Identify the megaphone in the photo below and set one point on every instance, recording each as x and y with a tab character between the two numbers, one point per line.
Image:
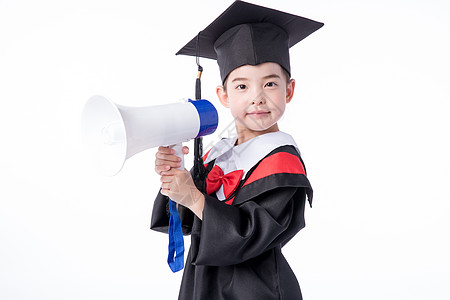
113	133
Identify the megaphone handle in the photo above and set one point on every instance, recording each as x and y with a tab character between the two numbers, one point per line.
179	152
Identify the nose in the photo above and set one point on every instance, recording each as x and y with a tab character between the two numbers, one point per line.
259	99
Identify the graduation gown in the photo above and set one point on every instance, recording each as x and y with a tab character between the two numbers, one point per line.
236	249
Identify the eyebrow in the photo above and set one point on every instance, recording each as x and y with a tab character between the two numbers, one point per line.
265	77
239	79
271	76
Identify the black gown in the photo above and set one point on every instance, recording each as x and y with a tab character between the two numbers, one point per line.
236	249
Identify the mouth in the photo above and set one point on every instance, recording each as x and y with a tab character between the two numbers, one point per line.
259	113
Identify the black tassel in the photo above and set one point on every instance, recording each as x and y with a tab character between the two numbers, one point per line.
199	168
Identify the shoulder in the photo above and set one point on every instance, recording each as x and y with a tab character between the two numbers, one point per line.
281	168
282	160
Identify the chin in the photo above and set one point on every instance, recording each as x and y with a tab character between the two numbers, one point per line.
263	128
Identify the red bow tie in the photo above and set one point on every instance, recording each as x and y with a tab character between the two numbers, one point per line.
216	178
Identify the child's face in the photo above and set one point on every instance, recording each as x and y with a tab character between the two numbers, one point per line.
257	97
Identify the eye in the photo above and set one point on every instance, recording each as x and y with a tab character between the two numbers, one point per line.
270	84
241	87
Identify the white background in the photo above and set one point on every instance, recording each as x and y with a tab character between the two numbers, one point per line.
370	114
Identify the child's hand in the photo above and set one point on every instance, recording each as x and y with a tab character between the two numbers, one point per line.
179	187
177	184
166	159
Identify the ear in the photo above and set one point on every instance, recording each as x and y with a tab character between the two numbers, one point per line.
290	90
223	96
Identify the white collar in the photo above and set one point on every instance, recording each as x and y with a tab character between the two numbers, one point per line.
244	156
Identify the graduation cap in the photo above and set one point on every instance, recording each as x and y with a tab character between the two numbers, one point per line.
248	34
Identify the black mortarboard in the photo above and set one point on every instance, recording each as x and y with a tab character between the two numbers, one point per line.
248	34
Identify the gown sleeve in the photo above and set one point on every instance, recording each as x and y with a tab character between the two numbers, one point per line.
232	234
161	216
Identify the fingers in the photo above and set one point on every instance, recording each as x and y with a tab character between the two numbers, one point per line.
165	192
166	178
166	186
166	159
166	182
161	169
167	150
170	174
167	155
175	183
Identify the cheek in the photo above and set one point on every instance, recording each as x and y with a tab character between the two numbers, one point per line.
237	108
283	109
280	107
235	111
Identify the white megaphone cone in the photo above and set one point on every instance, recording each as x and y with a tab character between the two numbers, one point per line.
113	133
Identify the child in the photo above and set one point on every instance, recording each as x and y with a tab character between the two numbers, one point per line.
256	184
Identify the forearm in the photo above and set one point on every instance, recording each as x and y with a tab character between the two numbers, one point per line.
198	204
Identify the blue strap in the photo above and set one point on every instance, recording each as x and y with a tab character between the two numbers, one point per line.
176	242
